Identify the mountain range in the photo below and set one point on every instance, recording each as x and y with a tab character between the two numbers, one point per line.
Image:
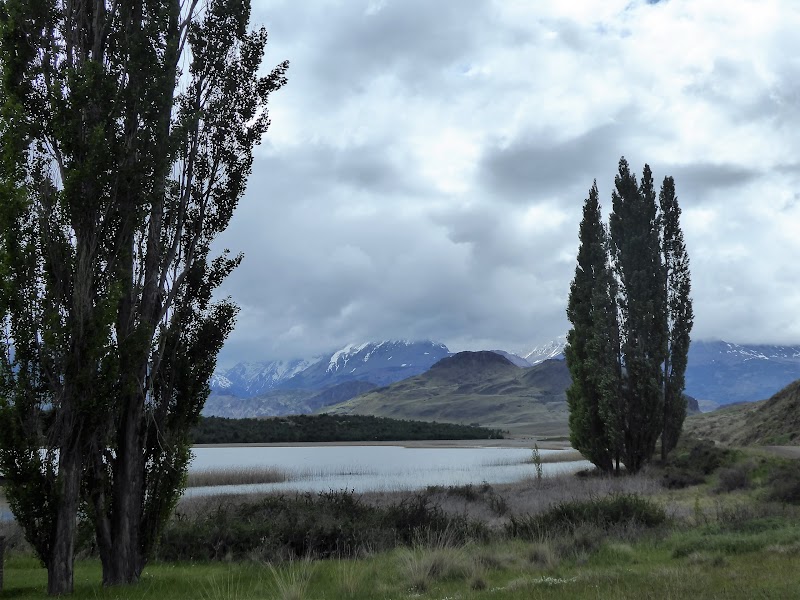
718	373
273	388
722	373
481	388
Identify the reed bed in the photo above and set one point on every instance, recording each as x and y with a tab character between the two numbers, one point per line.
559	456
267	474
236	476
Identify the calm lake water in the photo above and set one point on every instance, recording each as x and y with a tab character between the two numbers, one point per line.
371	468
368	468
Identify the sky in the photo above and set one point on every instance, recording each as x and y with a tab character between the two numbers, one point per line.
427	163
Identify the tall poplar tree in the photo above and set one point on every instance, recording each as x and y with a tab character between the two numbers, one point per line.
592	419
117	171
679	315
636	251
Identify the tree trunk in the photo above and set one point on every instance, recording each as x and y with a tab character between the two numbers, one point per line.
61	563
124	562
664	433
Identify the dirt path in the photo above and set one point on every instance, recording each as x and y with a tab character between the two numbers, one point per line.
784	451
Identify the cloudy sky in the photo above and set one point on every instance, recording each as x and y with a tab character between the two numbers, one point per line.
427	163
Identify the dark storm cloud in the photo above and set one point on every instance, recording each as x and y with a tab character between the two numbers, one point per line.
533	165
699	180
414	41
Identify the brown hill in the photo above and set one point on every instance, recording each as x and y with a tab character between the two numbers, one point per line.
773	422
475	388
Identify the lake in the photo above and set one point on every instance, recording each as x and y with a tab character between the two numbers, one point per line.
319	468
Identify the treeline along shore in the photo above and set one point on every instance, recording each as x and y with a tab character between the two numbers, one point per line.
331	428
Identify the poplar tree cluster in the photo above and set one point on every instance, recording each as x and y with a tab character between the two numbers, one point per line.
127	132
631	315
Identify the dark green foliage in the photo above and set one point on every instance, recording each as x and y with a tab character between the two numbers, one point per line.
331	428
693	461
679	315
607	514
631	316
330	524
484	493
636	253
733	478
113	185
594	418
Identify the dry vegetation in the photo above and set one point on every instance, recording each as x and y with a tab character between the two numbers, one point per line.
770	422
242	476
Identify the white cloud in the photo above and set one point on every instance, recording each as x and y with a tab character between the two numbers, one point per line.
427	163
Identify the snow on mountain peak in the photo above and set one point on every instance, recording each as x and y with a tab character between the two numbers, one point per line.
552	349
220	382
345	354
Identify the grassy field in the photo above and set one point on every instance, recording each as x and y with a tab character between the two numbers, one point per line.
713	523
650	568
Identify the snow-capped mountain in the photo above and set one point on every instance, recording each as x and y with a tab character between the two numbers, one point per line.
380	363
552	349
723	372
718	372
220	382
248	379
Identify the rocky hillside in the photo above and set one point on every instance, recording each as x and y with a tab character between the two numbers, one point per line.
279	402
475	387
770	422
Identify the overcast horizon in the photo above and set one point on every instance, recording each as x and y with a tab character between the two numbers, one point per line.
427	163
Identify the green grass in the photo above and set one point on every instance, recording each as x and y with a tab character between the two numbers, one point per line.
720	565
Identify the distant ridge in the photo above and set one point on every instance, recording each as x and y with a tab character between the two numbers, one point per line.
718	373
772	422
380	363
475	387
726	373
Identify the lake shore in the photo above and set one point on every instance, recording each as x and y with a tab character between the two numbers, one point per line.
511	442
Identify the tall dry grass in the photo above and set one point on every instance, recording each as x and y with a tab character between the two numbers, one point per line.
292	580
560	456
494	505
236	476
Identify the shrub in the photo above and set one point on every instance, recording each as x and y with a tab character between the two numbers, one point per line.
542	554
693	461
330	524
733	478
784	484
422	566
677	478
603	513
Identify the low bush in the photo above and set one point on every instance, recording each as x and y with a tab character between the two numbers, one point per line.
474	494
544	555
693	461
331	524
784	484
604	514
733	478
